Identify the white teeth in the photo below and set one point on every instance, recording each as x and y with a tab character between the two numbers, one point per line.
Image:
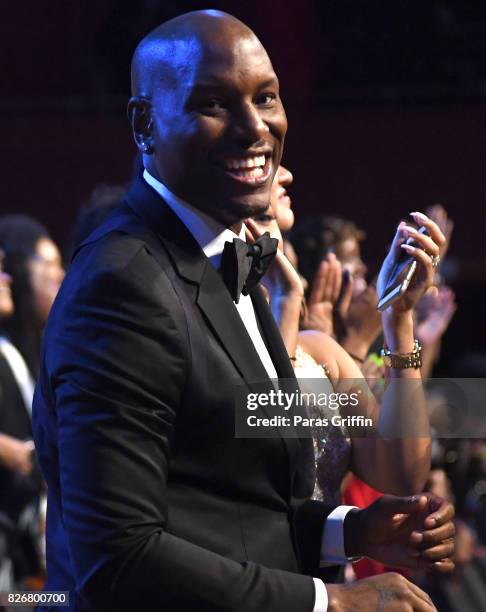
248	162
253	173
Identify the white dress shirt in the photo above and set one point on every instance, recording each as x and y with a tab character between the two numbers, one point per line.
211	237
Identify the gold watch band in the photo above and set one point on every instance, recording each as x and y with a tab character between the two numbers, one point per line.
402	361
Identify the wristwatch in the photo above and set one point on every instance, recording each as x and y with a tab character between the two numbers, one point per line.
402	361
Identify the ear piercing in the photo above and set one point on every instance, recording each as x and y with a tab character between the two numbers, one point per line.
146	147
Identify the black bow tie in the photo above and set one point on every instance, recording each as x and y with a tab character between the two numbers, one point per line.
244	264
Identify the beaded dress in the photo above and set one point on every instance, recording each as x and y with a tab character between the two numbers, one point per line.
332	445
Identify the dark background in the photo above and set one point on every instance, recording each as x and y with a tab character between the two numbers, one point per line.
386	104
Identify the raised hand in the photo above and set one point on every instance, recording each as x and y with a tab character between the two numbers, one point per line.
434	313
439	214
328	296
429	247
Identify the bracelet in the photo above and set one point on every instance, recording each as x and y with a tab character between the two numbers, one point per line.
402	361
292	358
356	358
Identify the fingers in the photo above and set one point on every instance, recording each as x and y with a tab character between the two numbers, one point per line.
433	229
336	276
436	553
431	537
432	293
408	593
434	546
439	214
328	280
344	299
423	241
320	283
392	591
447	302
424	601
442	511
422	258
421	605
392	505
445	566
252	230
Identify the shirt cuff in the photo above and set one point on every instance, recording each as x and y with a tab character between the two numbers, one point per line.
321	601
332	548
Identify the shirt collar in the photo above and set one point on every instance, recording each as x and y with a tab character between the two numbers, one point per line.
209	234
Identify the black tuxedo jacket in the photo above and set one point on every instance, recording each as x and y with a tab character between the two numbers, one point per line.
153	502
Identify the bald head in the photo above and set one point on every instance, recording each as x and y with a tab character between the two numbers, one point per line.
206	113
167	53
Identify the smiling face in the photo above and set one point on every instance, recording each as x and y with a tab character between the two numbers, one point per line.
46	275
349	254
215	122
280	199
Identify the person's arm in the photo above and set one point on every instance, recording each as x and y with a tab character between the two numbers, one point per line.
118	363
397	458
399	465
361	325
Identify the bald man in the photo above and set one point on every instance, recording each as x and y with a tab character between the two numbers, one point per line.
154	504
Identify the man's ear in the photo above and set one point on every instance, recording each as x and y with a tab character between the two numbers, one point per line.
139	113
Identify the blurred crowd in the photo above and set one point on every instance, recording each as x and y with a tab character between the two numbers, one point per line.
338	301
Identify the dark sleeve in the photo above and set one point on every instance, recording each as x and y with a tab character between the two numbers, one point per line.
117	358
308	520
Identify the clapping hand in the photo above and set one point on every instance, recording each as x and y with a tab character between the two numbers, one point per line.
434	313
335	309
439	214
414	532
330	296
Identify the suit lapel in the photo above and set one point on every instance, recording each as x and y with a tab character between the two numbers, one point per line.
216	304
213	298
273	338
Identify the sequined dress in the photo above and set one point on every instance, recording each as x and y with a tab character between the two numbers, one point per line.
332	445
